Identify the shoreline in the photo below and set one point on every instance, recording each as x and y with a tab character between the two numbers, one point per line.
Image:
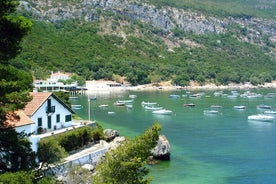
150	87
166	86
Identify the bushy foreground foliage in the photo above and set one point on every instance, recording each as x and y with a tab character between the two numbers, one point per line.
127	163
53	149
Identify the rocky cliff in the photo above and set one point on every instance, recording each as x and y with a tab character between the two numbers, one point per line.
163	18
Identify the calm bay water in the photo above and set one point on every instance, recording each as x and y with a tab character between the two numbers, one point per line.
222	148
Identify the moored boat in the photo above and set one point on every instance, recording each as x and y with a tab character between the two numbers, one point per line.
125	101
129	106
210	111
148	103
239	107
263	106
216	106
76	107
152	108
103	105
117	103
270	112
162	111
132	96
174	96
261	117
189	105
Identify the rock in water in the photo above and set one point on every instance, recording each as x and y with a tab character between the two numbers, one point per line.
162	149
110	134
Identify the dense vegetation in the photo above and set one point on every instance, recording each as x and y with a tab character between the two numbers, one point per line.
239	8
73	46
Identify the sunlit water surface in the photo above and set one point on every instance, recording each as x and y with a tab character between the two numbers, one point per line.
221	148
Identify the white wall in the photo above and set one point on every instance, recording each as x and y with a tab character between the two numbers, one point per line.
59	109
27	128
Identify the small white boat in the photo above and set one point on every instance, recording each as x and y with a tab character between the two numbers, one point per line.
174	96
93	98
189	105
103	105
129	106
117	103
125	101
261	117
132	96
148	103
270	112
216	106
263	106
110	112
239	107
73	97
76	107
162	111
152	108
210	111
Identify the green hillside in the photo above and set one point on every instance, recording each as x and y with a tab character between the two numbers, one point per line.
97	50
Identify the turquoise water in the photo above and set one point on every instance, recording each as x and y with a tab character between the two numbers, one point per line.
222	148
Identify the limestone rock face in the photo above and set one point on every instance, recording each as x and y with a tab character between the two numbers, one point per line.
110	134
162	150
165	18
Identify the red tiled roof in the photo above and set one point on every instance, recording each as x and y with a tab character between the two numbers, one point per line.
38	99
17	118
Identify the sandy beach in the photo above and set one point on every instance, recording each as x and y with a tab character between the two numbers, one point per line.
167	86
194	86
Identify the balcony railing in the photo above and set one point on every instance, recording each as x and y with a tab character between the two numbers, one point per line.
50	109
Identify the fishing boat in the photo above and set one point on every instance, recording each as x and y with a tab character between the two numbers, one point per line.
162	111
261	117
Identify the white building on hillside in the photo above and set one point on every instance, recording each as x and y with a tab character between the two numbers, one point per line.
44	113
59	76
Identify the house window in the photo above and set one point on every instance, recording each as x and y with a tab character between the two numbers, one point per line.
58	118
68	118
39	122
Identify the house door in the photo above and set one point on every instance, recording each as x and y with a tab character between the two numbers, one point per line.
49	120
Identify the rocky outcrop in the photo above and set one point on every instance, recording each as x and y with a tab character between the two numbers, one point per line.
110	134
165	18
162	150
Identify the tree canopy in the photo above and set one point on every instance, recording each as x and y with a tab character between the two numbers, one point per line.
127	163
15	84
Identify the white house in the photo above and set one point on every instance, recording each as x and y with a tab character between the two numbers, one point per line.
44	113
59	76
48	112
